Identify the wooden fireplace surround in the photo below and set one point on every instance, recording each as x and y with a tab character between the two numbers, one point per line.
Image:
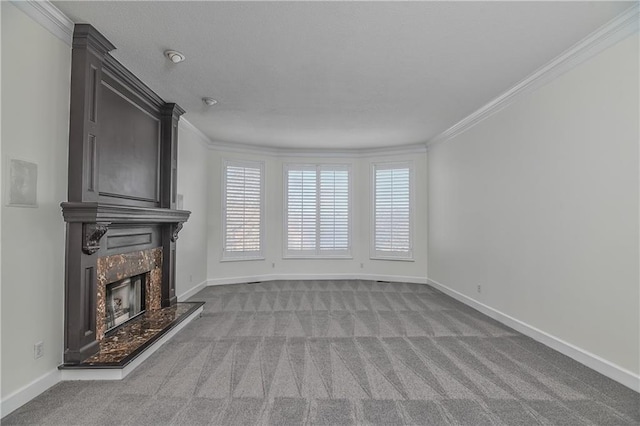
123	144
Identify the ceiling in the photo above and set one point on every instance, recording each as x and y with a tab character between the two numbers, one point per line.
332	75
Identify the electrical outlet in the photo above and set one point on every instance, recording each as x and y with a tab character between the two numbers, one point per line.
190	278
479	288
38	350
273	265
361	265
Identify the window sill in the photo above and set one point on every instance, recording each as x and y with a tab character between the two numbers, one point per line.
318	257
240	259
400	259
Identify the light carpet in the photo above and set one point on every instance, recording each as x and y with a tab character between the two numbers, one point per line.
339	353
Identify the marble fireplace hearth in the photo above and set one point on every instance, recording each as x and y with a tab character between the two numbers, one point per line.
126	347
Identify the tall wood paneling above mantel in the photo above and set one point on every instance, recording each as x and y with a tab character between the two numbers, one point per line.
123	145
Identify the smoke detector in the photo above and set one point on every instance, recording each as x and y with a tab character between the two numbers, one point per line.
174	56
209	101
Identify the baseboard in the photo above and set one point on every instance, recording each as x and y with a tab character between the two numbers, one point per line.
595	362
26	393
393	278
187	294
346	276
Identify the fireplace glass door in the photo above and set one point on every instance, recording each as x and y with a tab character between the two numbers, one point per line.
125	300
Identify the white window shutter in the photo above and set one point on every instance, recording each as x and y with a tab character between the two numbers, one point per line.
392	206
317	205
243	202
301	210
334	210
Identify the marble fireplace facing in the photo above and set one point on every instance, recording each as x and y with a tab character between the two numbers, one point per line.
145	265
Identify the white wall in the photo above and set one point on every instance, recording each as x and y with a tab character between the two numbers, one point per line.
35	118
2	181
539	205
35	122
193	182
238	271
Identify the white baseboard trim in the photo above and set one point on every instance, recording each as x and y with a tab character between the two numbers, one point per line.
346	276
26	393
595	362
121	373
187	294
393	278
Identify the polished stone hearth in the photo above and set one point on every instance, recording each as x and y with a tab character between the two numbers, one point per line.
127	346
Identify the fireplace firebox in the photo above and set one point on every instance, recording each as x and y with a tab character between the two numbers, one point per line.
125	300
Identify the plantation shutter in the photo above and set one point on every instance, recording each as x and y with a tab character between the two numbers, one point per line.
392	211
334	211
317	210
243	207
301	210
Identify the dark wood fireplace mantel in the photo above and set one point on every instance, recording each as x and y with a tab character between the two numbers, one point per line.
123	159
113	213
97	217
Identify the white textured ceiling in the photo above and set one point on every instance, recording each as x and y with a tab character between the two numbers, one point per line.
337	74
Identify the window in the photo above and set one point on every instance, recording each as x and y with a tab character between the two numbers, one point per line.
317	210
392	211
243	210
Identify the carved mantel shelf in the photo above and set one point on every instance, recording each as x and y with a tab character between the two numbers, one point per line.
96	218
100	212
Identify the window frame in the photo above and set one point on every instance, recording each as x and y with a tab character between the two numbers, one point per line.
374	253
244	255
317	253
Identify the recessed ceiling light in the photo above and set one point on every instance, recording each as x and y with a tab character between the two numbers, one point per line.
174	56
209	101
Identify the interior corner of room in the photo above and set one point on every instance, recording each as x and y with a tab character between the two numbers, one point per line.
524	206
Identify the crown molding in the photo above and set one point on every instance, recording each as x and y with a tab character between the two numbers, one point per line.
202	139
625	24
49	16
324	153
419	148
239	148
612	32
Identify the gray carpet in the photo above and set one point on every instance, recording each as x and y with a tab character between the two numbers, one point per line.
342	352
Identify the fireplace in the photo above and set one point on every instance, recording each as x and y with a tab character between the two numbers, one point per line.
124	301
121	211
